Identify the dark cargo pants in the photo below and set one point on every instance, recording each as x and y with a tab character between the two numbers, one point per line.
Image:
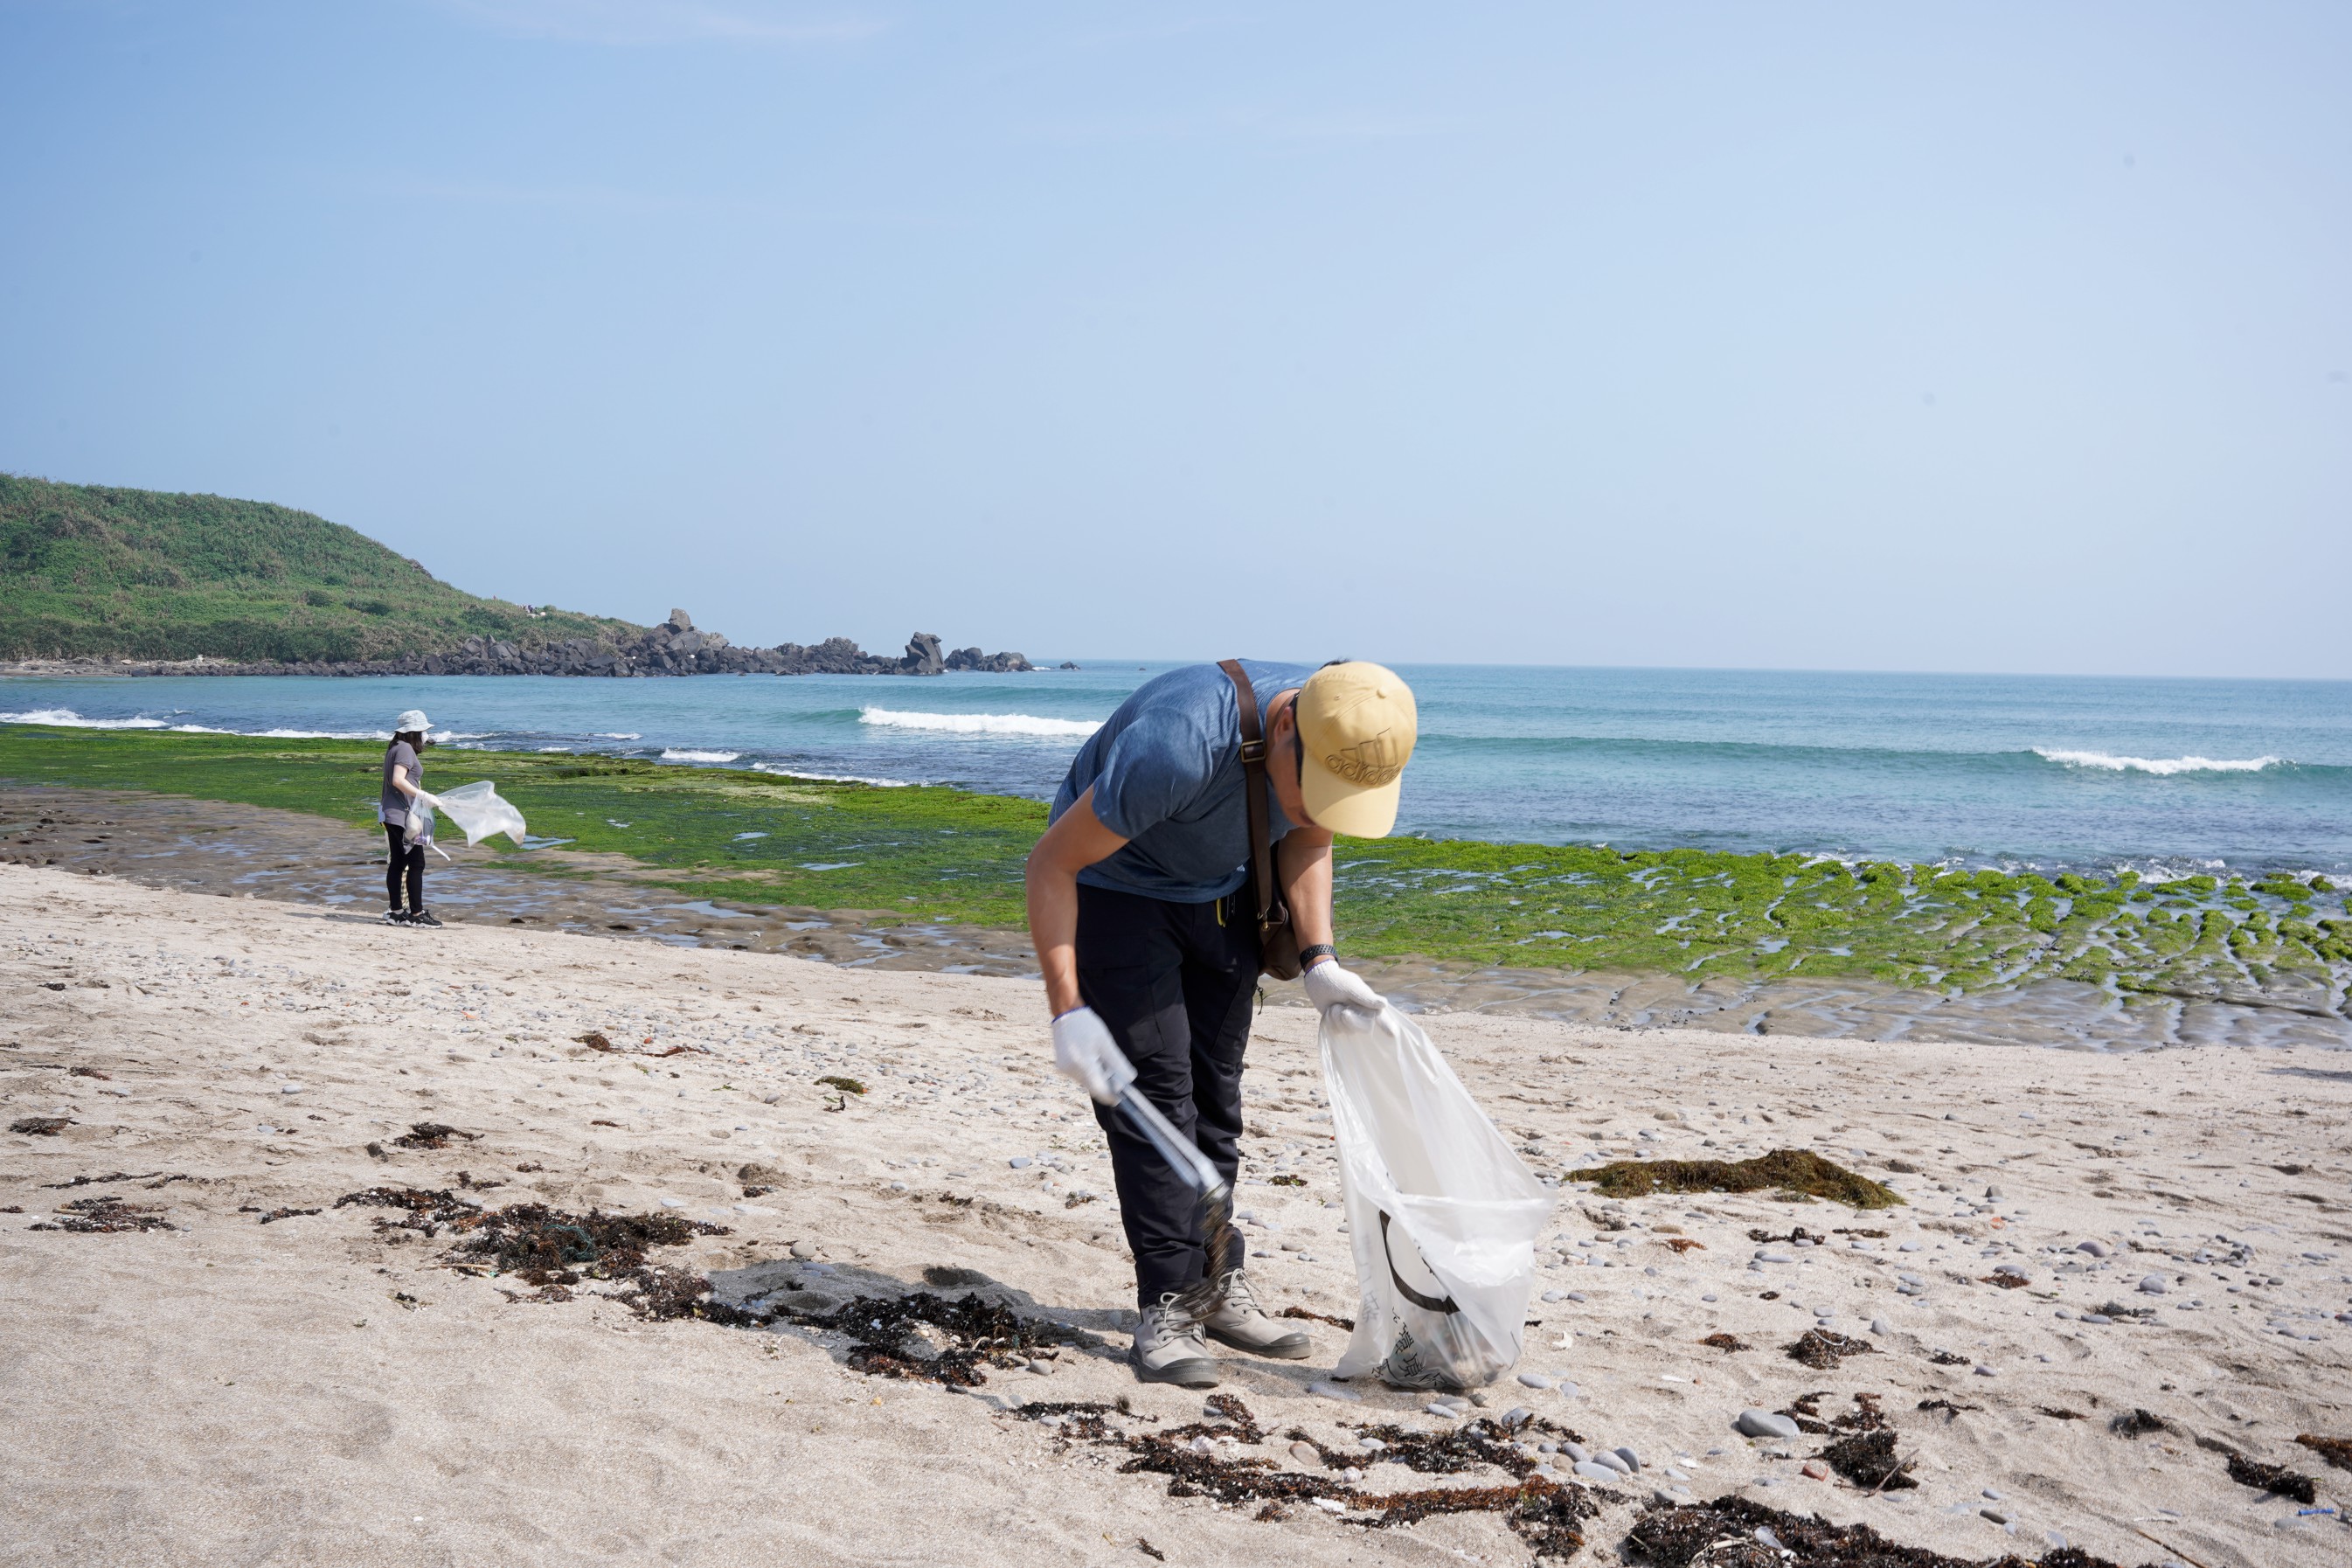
1174	983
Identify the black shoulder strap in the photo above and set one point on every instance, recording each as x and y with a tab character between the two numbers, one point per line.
1253	786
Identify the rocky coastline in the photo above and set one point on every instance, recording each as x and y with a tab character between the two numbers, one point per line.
675	647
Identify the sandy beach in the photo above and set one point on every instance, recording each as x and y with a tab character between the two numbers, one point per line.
256	1386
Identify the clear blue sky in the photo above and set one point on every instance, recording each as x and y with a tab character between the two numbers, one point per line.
1971	337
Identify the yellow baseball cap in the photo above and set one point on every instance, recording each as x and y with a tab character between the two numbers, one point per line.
1358	724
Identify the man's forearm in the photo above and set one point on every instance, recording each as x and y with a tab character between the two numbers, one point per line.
1054	933
1077	840
1304	865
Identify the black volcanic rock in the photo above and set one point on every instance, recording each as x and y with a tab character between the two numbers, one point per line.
677	646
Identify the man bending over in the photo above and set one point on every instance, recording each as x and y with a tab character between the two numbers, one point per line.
1144	912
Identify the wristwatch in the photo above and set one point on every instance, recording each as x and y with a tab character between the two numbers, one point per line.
1308	956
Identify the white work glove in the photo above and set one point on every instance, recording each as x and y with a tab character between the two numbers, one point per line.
1085	1053
1329	987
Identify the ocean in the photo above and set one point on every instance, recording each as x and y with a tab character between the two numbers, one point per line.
2052	772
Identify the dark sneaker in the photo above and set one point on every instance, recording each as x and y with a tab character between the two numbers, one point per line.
1242	1323
1169	1348
395	917
424	917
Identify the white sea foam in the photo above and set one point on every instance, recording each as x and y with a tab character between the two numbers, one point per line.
2160	765
67	719
829	778
979	723
320	734
618	735
675	755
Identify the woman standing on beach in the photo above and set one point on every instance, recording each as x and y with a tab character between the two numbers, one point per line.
406	812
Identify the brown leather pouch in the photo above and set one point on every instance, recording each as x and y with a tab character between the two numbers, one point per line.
1277	944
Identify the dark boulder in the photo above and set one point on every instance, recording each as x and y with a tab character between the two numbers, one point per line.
923	656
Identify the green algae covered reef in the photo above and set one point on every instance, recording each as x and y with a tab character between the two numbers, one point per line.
948	856
1700	914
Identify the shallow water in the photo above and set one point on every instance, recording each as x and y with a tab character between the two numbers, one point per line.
2047	770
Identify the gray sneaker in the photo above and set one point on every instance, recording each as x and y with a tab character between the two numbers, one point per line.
1242	1323
1168	1349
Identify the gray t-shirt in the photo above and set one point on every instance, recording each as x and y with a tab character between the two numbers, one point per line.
391	805
1166	770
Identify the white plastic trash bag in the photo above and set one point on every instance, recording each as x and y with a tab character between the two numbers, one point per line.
478	810
1443	1216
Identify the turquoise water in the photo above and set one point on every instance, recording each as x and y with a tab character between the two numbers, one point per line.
2047	770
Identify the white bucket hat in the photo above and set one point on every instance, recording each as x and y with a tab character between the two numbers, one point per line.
412	719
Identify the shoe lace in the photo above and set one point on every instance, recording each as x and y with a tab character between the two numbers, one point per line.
1238	1296
1169	1316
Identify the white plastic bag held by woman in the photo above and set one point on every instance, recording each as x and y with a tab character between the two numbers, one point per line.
478	810
1443	1216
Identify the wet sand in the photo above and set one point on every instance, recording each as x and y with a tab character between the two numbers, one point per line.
317	1389
242	850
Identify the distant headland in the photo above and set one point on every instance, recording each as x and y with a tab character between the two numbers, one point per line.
124	581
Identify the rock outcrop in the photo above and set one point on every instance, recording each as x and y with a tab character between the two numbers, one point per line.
677	646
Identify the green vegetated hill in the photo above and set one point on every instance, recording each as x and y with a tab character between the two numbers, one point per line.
92	572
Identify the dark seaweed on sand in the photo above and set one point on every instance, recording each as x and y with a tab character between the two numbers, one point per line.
106	1215
978	1333
1790	1170
158	1177
40	1126
2336	1451
1868	1459
1821	1348
430	1135
2276	1478
1304	1315
1805	1410
1722	1534
555	1249
1545	1514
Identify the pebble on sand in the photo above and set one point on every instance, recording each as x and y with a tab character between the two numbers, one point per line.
1764	1424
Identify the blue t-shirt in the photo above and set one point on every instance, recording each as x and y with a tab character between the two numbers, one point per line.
1166	770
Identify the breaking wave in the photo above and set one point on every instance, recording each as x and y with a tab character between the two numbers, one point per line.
783	772
2159	765
675	755
979	723
67	719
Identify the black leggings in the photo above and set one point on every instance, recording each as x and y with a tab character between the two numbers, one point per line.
1174	983
402	855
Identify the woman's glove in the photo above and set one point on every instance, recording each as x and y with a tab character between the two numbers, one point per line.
1085	1053
1329	987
